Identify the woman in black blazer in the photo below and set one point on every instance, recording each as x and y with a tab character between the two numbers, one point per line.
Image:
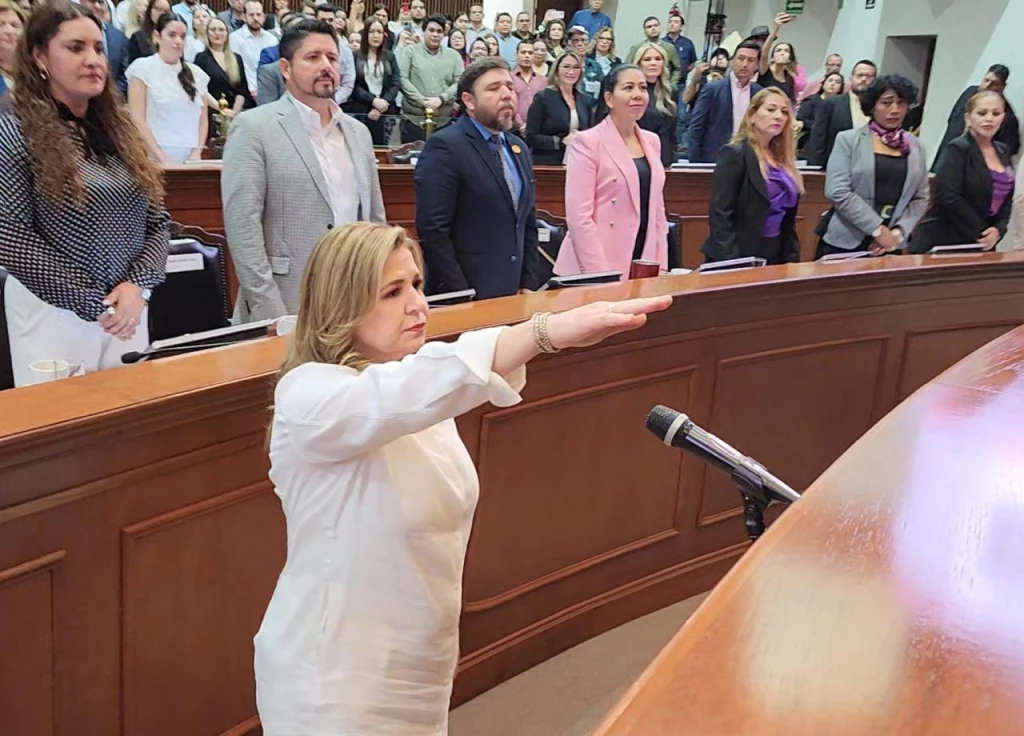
756	187
549	121
226	72
973	183
660	117
141	42
378	82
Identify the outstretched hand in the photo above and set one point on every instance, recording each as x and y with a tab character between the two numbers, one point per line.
595	322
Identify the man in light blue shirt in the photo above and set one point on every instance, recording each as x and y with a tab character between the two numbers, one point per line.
593	19
508	43
184	11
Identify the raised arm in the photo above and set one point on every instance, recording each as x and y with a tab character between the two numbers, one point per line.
333	413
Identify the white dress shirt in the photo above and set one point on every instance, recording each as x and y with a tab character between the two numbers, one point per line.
249	45
740	101
335	161
378	490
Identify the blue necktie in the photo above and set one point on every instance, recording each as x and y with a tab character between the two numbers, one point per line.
509	182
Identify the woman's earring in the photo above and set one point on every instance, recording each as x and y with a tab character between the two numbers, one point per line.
43	73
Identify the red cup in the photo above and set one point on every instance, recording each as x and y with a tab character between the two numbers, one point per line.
644	269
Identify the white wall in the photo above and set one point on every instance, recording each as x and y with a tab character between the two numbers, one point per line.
971	35
493	7
907	56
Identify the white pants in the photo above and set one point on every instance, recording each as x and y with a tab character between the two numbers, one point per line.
41	331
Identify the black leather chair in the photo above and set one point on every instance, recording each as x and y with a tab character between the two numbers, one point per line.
194	300
551	232
6	366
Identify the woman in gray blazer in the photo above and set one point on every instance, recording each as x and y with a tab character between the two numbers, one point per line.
877	178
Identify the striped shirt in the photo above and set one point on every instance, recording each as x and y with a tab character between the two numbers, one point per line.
72	257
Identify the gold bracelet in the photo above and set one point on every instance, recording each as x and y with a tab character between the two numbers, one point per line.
539	322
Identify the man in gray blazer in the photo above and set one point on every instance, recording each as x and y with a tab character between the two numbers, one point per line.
280	196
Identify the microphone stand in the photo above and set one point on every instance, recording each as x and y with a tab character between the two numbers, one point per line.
751	490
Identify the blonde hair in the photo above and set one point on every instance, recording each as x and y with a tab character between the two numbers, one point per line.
611	49
16	9
340	288
553	68
782	147
663	87
230	60
133	24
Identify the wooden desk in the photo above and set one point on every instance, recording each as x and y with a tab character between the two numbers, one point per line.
140	539
887	601
193	197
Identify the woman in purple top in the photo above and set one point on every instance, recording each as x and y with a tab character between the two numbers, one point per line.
974	183
756	186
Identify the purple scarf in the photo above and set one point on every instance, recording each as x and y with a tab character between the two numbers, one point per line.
895	139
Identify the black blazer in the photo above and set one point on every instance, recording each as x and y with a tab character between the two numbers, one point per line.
1008	133
661	124
807	115
740	206
471	235
361	101
548	118
963	198
832	118
139	46
220	85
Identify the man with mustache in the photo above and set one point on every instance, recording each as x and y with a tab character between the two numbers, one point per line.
293	170
475	210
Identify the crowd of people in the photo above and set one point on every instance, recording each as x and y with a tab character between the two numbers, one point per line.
306	95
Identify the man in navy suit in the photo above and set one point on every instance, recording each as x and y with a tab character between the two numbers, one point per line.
115	43
721	106
475	210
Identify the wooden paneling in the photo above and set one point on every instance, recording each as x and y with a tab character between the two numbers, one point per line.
27	645
189	670
193	197
888	599
926	350
151	480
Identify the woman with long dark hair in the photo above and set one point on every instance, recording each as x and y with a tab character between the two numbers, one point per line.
167	97
83	231
756	186
457	43
974	183
877	178
378	82
554	38
832	85
141	42
614	185
778	68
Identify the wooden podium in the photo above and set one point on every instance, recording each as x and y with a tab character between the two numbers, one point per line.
888	600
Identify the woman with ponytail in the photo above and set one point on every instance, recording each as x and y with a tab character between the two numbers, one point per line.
83	231
167	97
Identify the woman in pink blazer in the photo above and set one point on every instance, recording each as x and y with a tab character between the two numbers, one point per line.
614	185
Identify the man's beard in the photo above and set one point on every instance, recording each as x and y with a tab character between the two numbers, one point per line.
325	93
255	27
494	121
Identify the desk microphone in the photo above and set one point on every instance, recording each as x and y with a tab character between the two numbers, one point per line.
676	430
135	356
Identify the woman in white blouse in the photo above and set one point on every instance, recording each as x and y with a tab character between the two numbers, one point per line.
378	490
166	96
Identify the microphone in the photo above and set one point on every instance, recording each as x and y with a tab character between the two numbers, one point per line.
676	430
134	356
